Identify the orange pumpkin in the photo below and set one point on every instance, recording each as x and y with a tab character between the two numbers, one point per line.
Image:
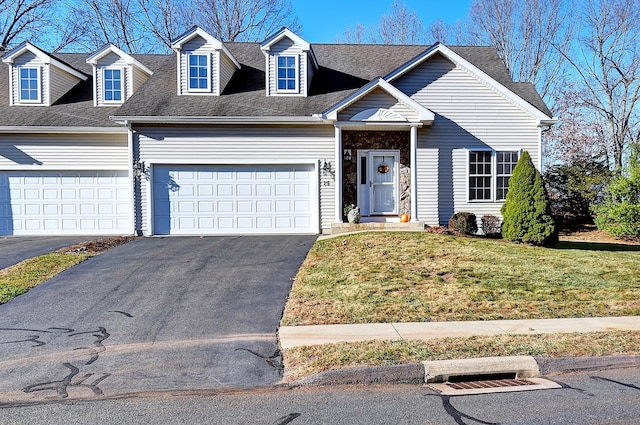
404	218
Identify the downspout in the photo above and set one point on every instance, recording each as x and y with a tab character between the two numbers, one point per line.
132	177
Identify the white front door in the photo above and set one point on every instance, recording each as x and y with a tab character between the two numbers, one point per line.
378	176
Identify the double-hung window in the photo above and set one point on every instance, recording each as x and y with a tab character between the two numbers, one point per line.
505	163
29	84
198	72
489	174
112	79
287	73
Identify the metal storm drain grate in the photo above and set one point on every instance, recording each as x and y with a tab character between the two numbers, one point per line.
497	383
487	386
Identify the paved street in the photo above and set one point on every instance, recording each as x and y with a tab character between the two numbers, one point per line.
174	313
595	398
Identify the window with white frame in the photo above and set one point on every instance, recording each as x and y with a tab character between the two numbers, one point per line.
505	163
479	175
489	170
287	73
29	84
112	81
198	72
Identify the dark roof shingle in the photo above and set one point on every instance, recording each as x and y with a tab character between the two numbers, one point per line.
343	69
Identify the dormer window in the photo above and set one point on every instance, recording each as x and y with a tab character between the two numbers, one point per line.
29	87
287	75
199	72
112	85
290	64
204	65
116	76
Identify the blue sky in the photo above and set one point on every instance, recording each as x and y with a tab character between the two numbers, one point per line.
323	21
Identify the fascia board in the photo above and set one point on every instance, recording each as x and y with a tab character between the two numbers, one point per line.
110	48
231	57
332	113
193	32
217	120
61	130
45	57
282	33
474	70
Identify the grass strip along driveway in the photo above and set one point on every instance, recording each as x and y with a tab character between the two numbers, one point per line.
418	277
19	278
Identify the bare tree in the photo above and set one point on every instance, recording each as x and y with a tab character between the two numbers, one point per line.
360	34
23	20
529	36
579	134
608	63
166	19
245	20
401	26
439	31
108	21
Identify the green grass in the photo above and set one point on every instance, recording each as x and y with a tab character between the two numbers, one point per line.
19	278
406	277
301	362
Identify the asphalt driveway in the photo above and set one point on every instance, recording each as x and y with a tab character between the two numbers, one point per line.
14	249
179	313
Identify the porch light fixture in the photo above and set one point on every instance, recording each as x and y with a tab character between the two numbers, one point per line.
346	155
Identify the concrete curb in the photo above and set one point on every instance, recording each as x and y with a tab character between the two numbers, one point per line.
417	373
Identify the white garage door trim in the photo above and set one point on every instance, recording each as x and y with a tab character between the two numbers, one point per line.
234	199
56	202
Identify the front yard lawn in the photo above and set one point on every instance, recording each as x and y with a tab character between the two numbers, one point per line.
417	277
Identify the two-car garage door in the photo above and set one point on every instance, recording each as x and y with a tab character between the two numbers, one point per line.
232	199
65	203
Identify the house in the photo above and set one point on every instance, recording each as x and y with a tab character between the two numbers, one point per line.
252	138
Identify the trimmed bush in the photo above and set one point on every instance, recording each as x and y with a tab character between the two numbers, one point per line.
619	215
526	213
464	222
490	225
618	219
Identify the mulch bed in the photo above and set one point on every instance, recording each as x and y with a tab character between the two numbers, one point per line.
97	246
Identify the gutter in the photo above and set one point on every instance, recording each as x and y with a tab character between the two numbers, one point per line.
62	130
315	120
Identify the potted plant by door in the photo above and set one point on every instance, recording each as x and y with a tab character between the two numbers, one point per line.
353	213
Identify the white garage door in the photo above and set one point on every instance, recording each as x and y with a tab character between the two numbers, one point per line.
64	203
233	199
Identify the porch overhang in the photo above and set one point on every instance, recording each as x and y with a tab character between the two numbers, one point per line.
380	116
377	126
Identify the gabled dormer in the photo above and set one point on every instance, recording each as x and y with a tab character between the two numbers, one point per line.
290	64
205	66
116	76
37	78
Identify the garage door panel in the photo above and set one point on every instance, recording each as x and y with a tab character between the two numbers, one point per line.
233	199
64	202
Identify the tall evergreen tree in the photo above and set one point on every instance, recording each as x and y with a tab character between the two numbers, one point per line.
526	213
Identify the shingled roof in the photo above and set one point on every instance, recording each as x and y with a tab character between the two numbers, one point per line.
343	69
